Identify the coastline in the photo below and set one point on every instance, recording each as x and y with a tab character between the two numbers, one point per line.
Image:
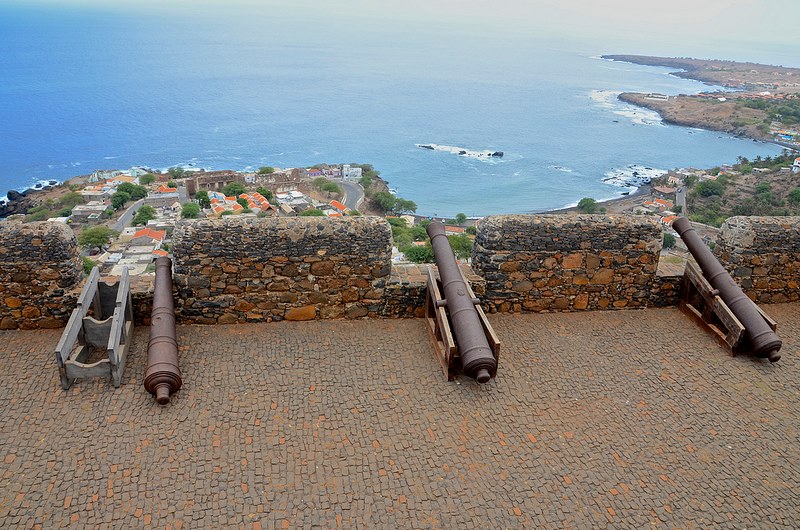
718	111
612	206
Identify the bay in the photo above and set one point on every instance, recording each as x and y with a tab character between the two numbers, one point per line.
88	89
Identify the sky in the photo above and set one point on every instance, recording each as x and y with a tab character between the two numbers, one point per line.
674	26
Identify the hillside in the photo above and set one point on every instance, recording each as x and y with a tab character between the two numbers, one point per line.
758	187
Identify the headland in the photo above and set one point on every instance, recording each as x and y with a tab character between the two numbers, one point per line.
759	101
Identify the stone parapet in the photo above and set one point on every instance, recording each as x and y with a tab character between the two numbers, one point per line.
567	262
39	268
405	291
763	256
253	270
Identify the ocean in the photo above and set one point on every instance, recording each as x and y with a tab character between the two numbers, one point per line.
85	90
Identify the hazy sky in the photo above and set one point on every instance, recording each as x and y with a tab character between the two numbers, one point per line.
676	23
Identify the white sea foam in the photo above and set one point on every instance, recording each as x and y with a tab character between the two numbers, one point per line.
563	169
632	176
607	99
486	155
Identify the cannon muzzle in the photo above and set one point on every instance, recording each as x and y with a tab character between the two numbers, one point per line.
163	376
477	358
764	341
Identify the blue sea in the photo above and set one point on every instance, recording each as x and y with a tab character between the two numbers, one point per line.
84	89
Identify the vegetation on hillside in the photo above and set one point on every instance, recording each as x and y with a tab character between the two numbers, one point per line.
405	236
745	191
55	208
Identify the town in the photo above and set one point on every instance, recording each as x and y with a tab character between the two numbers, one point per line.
125	218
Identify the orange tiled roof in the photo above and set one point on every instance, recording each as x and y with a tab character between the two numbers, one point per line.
339	206
160	252
158	235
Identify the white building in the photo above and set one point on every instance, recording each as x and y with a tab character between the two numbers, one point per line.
796	165
351	173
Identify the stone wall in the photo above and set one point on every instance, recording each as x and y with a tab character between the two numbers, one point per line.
763	256
39	268
253	270
567	262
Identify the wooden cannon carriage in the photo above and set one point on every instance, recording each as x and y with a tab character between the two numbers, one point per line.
108	330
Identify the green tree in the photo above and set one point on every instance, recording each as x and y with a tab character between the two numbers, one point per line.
669	240
135	191
265	192
147	178
95	236
119	199
794	197
471	230
419	254
312	212
319	182
461	218
176	172
587	205
88	265
234	189
144	214
190	210
265	170
365	181
70	200
402	206
331	187
172	184
354	213
461	245
708	188
202	199
384	201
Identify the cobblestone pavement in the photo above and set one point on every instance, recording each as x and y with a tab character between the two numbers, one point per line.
631	419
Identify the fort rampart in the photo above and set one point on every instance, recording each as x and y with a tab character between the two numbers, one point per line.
255	270
252	270
39	267
763	254
560	262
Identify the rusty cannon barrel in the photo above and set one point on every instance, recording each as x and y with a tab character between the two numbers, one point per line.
476	355
163	377
763	340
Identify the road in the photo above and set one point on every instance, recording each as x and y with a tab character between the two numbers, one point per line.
127	216
680	200
353	194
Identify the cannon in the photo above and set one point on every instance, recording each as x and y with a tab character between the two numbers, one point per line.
471	331
760	335
163	376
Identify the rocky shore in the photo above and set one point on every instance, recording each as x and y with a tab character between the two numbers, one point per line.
727	112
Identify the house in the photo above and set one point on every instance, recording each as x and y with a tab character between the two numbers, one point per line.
82	212
796	165
148	235
675	180
314	172
351	173
119	179
339	206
